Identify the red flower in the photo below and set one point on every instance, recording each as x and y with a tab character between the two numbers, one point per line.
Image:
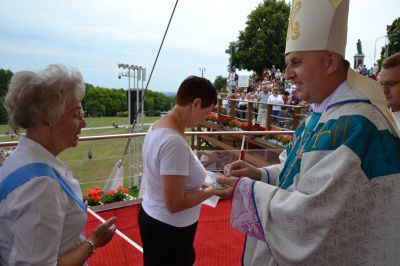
123	189
258	127
96	198
95	192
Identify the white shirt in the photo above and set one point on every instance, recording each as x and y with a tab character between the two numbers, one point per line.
290	90
396	116
263	98
332	98
242	102
38	221
273	100
166	152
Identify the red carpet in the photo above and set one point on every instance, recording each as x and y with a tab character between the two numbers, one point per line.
215	243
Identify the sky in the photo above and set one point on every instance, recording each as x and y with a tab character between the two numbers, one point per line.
95	36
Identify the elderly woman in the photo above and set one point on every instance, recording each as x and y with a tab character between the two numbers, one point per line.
174	176
42	216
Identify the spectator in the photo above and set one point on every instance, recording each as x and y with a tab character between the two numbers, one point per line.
364	70
289	88
90	154
275	98
242	106
262	105
390	80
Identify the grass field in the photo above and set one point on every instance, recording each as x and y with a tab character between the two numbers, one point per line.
105	152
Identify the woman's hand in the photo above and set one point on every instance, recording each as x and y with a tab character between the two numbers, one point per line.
241	168
103	233
227	192
100	236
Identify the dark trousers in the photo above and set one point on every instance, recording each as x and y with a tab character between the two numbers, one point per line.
164	244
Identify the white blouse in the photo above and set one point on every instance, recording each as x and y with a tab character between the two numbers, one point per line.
38	221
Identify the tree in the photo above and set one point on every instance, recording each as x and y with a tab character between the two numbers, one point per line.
5	76
219	82
102	101
154	102
393	33
98	101
262	43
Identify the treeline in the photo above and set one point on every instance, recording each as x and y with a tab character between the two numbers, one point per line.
5	76
100	101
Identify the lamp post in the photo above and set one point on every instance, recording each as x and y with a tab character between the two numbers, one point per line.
375	46
137	73
386	54
129	71
202	70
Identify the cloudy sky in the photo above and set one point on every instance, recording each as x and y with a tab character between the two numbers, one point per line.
94	36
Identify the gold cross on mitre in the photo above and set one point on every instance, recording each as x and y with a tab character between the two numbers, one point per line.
335	3
293	26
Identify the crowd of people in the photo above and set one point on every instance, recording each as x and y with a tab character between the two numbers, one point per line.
371	72
272	89
4	153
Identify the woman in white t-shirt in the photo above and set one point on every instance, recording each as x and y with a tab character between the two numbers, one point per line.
275	98
174	176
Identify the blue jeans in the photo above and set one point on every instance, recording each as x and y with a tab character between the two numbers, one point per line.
275	119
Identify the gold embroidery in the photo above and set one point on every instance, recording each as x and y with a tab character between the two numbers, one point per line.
299	152
344	129
335	132
317	135
293	27
335	3
288	173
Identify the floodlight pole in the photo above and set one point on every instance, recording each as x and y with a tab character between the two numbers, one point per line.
202	70
375	47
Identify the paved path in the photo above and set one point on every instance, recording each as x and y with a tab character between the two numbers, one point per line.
88	128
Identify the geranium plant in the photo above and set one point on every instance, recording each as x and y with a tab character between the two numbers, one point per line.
97	196
211	117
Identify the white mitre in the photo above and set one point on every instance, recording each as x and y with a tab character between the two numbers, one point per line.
318	25
321	25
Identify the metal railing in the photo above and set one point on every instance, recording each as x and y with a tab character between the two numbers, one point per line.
95	173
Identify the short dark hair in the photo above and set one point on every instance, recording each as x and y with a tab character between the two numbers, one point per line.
195	87
391	61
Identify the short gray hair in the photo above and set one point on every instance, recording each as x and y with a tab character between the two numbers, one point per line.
44	94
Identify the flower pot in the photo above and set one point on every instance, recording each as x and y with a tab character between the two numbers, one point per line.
115	205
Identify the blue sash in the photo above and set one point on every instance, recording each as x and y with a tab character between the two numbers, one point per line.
25	173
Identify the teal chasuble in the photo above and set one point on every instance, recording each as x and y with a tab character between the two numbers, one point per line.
296	148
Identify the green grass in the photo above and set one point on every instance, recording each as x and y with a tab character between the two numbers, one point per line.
105	152
105	121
